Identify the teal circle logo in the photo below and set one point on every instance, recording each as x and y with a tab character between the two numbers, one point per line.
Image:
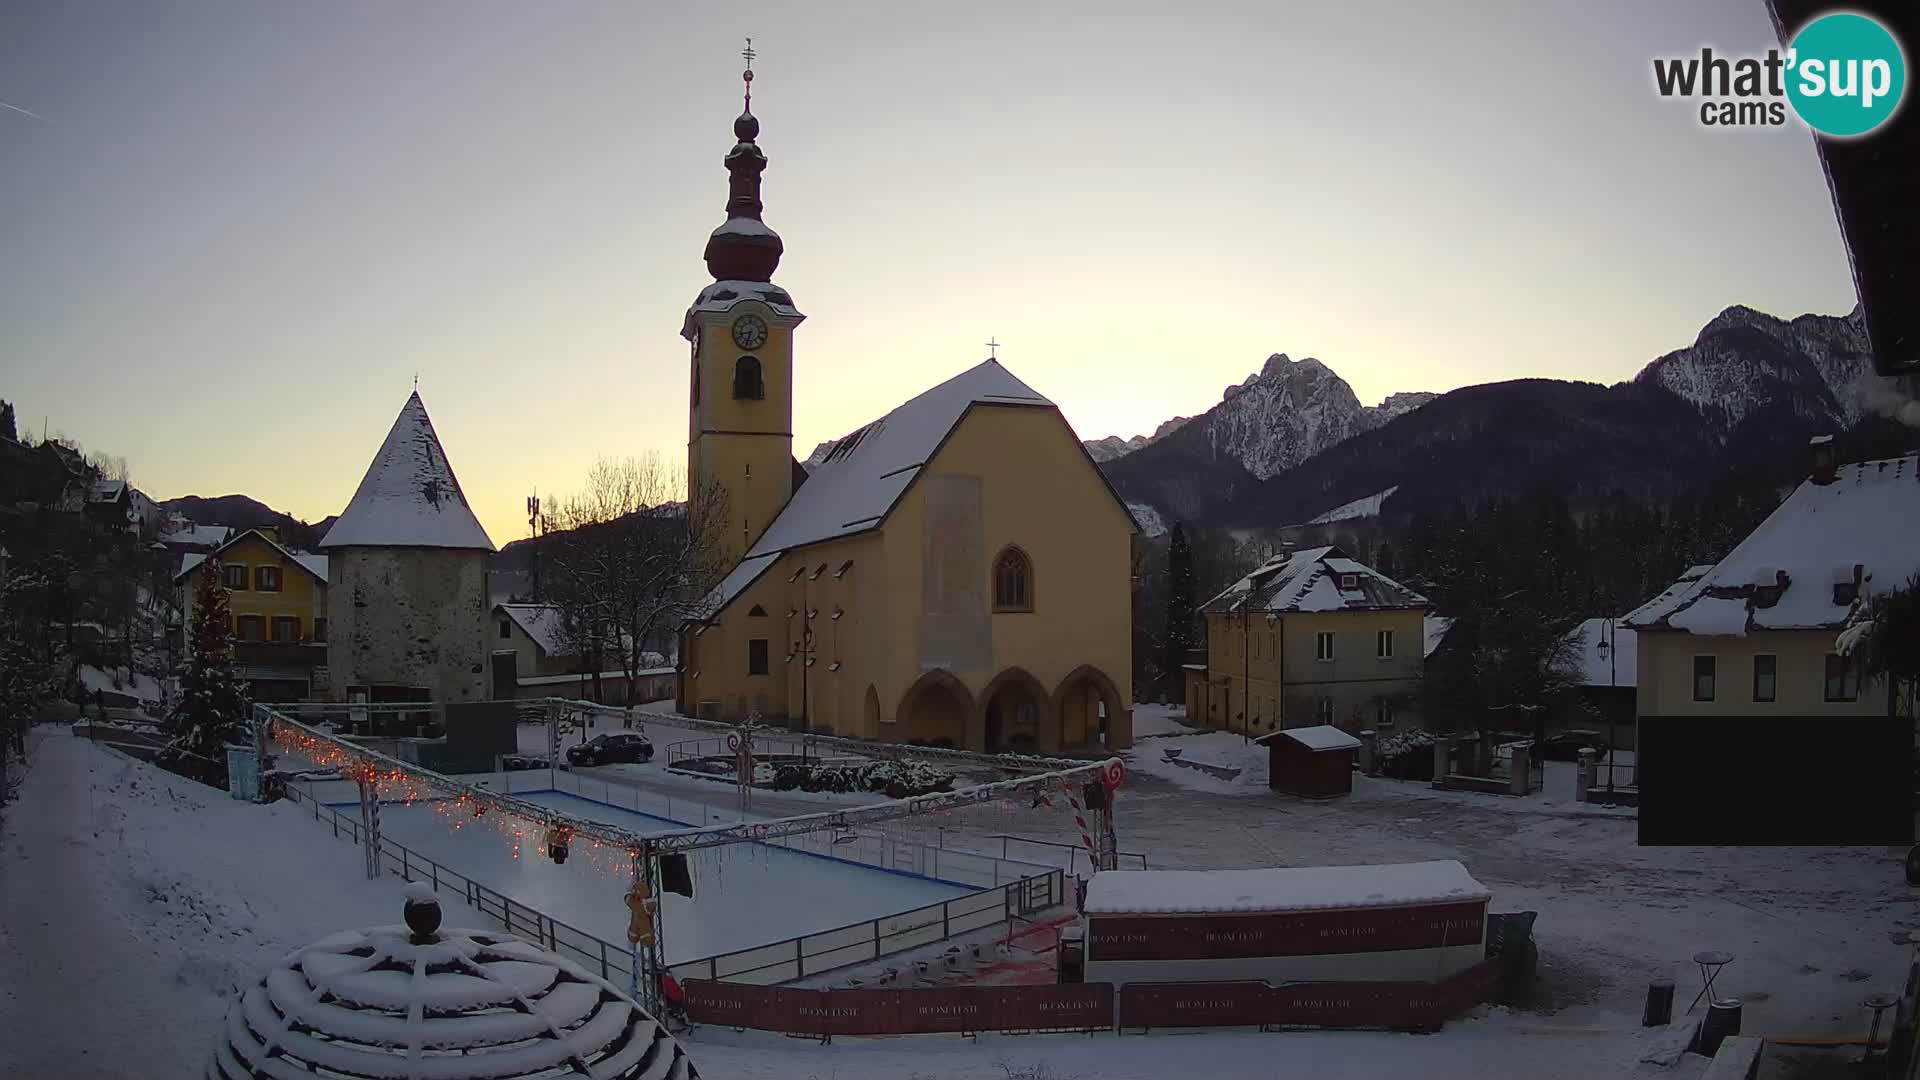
1846	74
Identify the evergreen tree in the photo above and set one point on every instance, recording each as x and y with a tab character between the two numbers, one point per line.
212	713
1179	638
7	429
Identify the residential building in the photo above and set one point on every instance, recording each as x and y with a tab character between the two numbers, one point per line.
1313	638
532	655
1606	667
957	572
408	600
1755	634
278	601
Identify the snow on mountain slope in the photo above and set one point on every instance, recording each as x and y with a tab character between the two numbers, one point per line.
1358	508
1114	446
1820	366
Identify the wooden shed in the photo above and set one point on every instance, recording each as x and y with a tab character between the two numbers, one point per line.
1316	762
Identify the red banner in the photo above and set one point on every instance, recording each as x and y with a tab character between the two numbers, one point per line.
1320	1005
1307	933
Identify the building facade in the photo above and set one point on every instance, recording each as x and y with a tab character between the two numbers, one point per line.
1758	633
278	600
955	573
1311	638
407	600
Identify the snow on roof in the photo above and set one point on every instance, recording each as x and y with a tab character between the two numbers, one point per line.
1359	508
1296	888
722	295
743	226
199	535
1316	738
856	484
1435	629
1308	581
409	497
1867	516
107	490
1619	667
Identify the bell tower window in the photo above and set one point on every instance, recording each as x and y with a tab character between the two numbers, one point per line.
747	384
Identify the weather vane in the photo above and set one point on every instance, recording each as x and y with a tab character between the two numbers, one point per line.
748	54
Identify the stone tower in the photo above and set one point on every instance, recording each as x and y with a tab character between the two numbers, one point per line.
407	594
740	429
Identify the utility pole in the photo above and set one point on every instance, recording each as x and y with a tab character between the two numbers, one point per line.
533	530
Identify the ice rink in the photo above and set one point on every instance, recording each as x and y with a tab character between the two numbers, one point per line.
743	894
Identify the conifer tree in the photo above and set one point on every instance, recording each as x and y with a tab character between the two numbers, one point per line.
1180	615
212	712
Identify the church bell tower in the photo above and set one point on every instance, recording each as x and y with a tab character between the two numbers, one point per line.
740	430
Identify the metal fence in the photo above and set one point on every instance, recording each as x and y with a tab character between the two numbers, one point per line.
1007	890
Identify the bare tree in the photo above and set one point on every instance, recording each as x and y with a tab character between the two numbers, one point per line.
631	558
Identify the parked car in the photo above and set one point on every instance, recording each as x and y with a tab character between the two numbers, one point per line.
1566	745
617	746
521	762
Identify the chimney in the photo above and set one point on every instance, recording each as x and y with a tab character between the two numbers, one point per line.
1825	459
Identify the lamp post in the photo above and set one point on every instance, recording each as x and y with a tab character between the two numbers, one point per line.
1609	651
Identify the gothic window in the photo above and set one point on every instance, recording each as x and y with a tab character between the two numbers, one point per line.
1012	581
746	379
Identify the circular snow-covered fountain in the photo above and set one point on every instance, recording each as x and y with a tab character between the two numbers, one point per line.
416	1002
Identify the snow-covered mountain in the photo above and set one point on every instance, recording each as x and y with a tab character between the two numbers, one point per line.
1276	418
1820	367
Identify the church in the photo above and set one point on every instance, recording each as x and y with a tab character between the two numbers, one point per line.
956	573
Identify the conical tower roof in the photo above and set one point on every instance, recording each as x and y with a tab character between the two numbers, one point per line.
409	497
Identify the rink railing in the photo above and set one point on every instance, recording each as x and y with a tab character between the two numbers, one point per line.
1007	890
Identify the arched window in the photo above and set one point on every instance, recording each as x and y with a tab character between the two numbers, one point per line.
746	379
1012	581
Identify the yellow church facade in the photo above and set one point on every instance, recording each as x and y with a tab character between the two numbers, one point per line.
957	573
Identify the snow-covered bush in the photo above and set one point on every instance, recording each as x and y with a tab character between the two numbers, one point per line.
1406	756
898	779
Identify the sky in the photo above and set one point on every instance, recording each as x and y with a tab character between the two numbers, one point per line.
233	233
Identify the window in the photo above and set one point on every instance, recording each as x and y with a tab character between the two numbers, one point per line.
1765	677
1349	582
756	612
319	629
1383	644
1703	678
757	656
286	628
266	579
506	628
249	627
1383	713
1012	581
235	576
1323	645
1323	711
1843	678
746	379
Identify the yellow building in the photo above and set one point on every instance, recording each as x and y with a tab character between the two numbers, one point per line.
278	599
1311	638
1757	634
956	573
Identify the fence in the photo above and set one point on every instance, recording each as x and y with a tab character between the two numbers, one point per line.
1072	858
823	1014
1007	890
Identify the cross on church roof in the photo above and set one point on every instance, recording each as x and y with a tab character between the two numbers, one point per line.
993	349
748	54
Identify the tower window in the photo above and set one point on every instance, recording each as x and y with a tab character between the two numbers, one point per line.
1012	581
747	385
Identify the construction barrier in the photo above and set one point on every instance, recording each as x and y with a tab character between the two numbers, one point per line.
1090	1006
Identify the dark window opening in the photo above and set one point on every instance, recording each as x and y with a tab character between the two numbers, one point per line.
756	612
1765	677
250	627
286	628
266	579
319	629
747	384
1843	678
1012	581
757	656
235	576
1703	667
506	628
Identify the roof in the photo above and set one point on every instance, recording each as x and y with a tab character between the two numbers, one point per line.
312	564
1619	667
199	535
1310	581
1434	630
409	496
861	478
1316	738
107	490
1295	888
546	625
1866	518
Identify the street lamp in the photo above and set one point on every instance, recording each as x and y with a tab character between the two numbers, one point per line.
1609	651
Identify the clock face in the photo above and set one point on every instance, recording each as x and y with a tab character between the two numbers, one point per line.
749	332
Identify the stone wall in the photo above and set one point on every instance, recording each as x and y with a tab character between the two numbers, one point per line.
408	617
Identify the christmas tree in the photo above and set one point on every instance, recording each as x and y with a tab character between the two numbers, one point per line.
212	713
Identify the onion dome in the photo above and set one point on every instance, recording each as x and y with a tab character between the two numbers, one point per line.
418	1003
743	248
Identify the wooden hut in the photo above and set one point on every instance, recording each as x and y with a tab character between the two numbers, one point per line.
1315	762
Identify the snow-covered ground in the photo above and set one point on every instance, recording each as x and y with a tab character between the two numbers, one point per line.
132	899
120	681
